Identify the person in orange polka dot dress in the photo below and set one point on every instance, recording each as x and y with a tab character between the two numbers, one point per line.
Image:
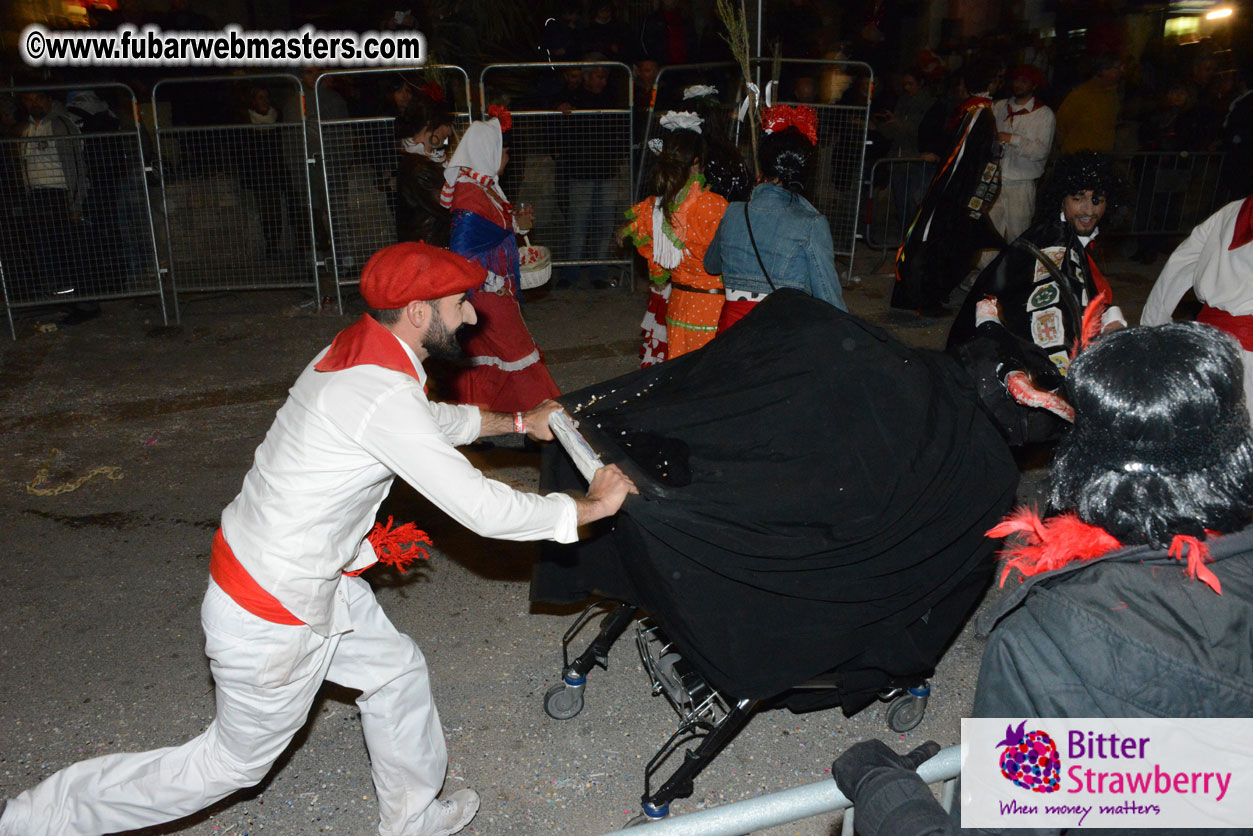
672	230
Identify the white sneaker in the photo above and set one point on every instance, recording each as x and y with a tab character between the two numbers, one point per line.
453	813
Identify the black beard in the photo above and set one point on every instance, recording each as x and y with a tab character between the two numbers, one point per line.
440	343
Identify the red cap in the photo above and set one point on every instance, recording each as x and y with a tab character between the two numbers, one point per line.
1033	75
412	271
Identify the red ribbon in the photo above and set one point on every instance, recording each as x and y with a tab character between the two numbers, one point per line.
781	117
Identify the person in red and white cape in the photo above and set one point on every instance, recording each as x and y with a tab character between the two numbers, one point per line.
285	609
1216	263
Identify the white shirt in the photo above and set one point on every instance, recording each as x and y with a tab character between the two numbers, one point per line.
1027	151
39	158
328	461
1221	278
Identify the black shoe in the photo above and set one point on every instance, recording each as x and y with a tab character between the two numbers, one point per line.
602	284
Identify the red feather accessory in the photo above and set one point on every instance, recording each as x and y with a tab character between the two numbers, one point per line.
781	117
398	546
1091	327
503	115
1045	545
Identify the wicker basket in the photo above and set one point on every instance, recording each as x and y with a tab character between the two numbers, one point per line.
537	265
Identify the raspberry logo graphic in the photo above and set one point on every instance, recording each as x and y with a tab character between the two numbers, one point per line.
1030	759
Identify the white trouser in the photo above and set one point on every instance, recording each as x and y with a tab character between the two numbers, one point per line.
266	676
1014	206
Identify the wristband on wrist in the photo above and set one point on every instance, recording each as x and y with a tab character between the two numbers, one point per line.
519	423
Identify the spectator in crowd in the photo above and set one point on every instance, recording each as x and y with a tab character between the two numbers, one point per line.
423	134
1237	137
1216	263
900	125
1088	117
591	166
1139	591
109	172
505	370
563	37
1025	127
666	34
396	96
605	34
1174	125
776	238
563	144
686	302
644	98
321	102
797	26
56	179
261	170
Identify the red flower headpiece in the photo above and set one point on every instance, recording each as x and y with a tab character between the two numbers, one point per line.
781	117
434	91
503	115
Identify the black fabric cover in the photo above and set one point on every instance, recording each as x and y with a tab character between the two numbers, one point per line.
813	496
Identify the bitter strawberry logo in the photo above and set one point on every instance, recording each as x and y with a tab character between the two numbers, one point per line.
1030	759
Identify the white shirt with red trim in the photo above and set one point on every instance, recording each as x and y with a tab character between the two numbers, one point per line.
326	465
1032	126
1222	278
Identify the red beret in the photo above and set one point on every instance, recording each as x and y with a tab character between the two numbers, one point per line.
1033	75
402	273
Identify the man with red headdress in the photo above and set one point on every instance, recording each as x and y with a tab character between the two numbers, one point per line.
1025	127
285	610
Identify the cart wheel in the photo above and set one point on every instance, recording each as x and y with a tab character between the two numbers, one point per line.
906	711
562	701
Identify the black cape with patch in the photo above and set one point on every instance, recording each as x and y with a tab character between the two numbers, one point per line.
951	224
1042	318
813	497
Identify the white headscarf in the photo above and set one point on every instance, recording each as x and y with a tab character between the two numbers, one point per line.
476	160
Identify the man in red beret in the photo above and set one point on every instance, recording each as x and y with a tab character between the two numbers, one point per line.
285	609
1025	127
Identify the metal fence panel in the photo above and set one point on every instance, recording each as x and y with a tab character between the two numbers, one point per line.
1174	191
356	185
235	183
574	168
75	219
895	187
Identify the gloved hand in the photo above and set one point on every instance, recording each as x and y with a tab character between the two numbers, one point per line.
850	768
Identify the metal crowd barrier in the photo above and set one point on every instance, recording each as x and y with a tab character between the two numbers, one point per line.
794	804
840	99
894	188
235	191
574	168
1174	190
75	218
359	157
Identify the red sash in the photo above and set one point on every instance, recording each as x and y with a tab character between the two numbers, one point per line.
233	578
1240	327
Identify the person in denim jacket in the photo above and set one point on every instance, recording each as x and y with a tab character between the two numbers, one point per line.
792	237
